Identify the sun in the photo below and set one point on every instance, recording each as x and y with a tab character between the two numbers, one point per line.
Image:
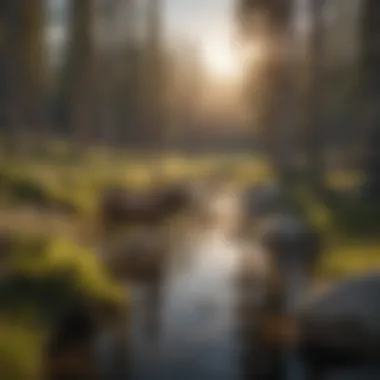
222	60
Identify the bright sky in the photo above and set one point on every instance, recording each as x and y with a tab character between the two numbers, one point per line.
210	24
207	23
198	18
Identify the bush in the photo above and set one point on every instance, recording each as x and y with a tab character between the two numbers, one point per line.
28	191
21	350
58	258
48	277
60	196
358	218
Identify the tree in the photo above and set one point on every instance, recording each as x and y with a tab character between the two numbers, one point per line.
23	57
3	67
371	71
80	69
153	80
269	88
313	127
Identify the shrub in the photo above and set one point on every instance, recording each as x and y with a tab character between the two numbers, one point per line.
49	277
28	191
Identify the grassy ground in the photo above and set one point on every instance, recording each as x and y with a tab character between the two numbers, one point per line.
350	228
48	275
47	254
80	183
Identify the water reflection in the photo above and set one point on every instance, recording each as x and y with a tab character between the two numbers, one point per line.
198	337
195	321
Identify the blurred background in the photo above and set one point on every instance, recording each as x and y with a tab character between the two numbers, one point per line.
106	104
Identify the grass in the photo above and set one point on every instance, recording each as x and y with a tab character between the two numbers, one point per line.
350	228
80	183
21	350
49	273
346	258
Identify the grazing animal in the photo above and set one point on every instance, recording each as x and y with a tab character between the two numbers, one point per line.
119	206
177	198
139	257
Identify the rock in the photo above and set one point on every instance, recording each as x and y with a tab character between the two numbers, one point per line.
345	318
354	374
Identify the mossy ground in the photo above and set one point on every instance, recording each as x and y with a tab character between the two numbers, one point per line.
49	245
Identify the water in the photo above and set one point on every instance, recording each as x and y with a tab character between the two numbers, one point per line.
188	327
197	337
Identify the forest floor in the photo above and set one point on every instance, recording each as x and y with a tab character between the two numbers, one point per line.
79	185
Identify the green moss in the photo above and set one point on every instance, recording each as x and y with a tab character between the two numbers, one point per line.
345	258
21	350
48	275
57	257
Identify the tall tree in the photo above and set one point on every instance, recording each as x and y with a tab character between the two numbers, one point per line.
80	65
153	76
3	66
23	23
35	61
269	22
313	127
371	70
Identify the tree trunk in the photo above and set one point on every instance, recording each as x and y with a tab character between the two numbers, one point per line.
371	71
153	78
35	61
24	59
13	45
313	126
81	79
270	88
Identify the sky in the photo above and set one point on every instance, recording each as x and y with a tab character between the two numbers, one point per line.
198	20
195	21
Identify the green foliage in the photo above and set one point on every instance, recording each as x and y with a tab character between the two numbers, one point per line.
346	257
67	267
33	188
28	191
349	227
47	276
357	218
21	350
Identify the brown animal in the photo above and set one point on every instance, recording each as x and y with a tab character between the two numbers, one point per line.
140	256
121	207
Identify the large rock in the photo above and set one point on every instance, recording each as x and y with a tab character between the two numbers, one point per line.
364	373
294	249
262	200
345	319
